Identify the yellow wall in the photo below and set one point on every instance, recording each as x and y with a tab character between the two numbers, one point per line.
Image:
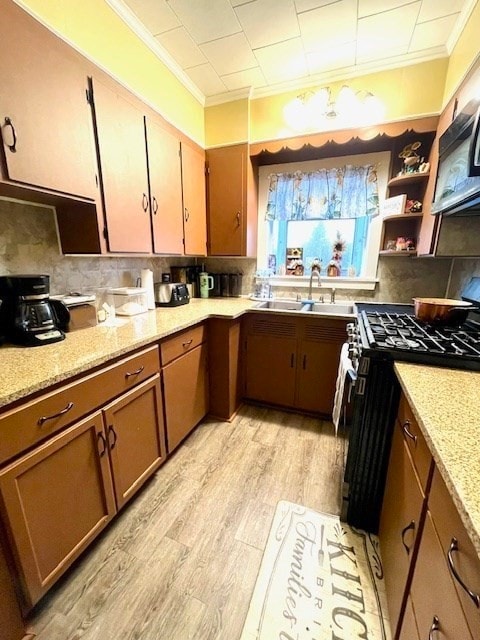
96	30
464	53
227	123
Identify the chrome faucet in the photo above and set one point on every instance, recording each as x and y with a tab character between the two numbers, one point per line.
314	272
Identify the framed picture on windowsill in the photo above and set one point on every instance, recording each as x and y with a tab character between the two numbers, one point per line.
394	206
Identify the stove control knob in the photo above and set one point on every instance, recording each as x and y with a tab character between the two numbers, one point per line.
351	332
352	353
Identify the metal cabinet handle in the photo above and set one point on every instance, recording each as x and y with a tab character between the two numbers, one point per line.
129	374
187	343
44	419
434	627
13	145
292	360
408	433
101	438
187	215
304	363
144	202
155	205
238	218
409	527
474	596
111	444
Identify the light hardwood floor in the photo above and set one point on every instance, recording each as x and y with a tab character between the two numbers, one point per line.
181	560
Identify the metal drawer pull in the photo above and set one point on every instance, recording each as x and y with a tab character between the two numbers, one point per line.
409	527
435	627
408	433
187	343
187	215
101	437
155	205
144	202
112	430
238	218
304	364
13	145
56	415
129	374
474	596
292	360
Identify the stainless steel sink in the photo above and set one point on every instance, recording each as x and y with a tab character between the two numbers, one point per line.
307	306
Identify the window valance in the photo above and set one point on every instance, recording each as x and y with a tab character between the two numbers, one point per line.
344	192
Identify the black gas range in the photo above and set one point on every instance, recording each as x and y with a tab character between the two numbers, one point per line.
393	330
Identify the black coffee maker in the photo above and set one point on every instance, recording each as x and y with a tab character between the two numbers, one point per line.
27	315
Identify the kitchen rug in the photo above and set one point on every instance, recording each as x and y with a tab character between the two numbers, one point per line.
319	579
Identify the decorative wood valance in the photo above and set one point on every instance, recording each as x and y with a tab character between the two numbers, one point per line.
368	138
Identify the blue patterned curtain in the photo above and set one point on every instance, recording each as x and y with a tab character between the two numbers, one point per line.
346	192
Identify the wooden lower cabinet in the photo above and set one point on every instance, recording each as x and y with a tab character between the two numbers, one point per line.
136	440
400	525
225	367
185	385
11	622
433	594
293	362
55	500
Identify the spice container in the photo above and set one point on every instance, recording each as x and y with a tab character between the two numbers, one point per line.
128	301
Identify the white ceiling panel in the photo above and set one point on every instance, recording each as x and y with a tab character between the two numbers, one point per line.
329	26
283	61
156	15
274	45
219	54
206	79
181	47
206	19
386	33
242	79
432	34
332	58
268	21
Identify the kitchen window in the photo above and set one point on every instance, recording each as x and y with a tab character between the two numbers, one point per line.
322	213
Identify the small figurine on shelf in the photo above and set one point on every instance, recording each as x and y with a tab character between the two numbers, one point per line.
316	265
334	267
409	244
411	159
413	206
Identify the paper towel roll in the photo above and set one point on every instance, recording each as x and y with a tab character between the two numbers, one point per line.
146	279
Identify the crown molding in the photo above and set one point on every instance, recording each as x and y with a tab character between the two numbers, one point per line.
228	96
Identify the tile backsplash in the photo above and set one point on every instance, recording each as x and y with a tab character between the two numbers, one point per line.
28	244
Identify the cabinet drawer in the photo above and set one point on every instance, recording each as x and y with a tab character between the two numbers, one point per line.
421	456
182	343
464	560
32	422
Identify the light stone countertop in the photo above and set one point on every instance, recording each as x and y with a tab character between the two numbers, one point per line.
446	404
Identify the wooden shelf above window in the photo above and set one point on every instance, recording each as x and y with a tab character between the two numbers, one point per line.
407	215
408	178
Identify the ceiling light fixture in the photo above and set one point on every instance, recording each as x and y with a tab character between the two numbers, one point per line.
319	110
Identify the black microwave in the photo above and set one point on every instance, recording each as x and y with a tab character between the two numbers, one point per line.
457	189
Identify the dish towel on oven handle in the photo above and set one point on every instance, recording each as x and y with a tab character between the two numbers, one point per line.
344	366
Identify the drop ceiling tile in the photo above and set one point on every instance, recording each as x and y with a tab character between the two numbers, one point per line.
219	54
156	15
387	33
206	79
282	61
247	78
237	3
331	58
307	5
206	19
433	33
268	21
329	26
181	47
432	9
371	7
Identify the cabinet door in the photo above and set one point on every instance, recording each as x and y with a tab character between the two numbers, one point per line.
135	434
194	204
400	524
319	355
185	382
123	161
433	593
226	200
11	622
271	358
165	173
55	500
44	97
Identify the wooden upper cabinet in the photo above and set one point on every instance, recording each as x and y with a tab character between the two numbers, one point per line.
165	173
123	164
44	114
232	212
194	204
